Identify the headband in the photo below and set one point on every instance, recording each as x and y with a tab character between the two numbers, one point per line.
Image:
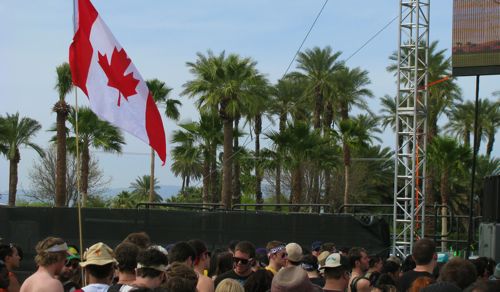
277	249
58	248
161	268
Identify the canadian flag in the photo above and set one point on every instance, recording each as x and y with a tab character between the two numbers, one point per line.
117	93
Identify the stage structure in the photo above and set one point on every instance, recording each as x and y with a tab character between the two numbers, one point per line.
411	126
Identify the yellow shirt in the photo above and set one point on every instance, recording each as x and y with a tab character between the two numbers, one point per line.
269	268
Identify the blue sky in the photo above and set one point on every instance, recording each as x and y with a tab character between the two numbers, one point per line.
161	36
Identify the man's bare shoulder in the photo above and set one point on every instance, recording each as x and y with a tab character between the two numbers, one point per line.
205	284
41	282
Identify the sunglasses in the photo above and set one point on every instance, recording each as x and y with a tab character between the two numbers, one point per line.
74	265
240	260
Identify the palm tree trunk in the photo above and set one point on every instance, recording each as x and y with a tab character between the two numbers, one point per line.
282	127
206	178
152	174
213	175
278	184
318	108
13	178
328	196
444	210
84	183
467	139
236	198
491	141
227	165
258	171
297	177
327	124
315	187
61	109
347	176
479	135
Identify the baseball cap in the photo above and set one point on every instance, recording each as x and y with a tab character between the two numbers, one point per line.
98	254
316	245
334	260
442	257
73	253
294	252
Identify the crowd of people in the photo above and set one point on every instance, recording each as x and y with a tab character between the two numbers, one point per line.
189	266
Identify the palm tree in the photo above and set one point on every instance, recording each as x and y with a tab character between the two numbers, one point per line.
388	112
3	134
286	99
124	200
491	122
448	158
254	111
17	132
299	143
140	189
160	91
317	67
187	158
461	121
92	133
222	82
208	136
64	86
350	90
355	133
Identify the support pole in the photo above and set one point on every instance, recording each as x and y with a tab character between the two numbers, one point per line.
473	171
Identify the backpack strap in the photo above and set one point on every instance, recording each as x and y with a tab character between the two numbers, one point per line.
354	283
115	288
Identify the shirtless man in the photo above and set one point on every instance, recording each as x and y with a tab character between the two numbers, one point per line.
201	263
50	258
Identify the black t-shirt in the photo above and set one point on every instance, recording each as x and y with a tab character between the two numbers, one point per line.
231	275
407	279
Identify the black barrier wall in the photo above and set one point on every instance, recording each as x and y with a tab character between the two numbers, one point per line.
26	226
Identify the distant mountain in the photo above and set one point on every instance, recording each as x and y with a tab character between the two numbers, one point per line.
165	191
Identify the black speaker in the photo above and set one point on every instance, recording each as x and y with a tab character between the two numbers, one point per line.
491	199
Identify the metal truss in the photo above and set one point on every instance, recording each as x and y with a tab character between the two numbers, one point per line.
411	125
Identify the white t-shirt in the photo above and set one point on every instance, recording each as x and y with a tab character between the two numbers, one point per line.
96	288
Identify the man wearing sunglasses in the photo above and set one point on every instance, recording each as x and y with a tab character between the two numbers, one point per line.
70	273
243	259
277	255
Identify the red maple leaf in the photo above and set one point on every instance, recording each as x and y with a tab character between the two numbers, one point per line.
125	84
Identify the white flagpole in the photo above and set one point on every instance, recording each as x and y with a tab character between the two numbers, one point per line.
78	173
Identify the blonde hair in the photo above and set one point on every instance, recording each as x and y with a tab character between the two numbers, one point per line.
43	257
229	285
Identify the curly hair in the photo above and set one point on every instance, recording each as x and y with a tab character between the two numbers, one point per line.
43	257
126	255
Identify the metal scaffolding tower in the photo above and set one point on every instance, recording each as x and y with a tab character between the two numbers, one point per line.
411	125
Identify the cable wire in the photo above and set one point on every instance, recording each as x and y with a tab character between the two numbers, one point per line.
305	38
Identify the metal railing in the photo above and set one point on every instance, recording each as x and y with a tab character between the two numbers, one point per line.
312	208
189	206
